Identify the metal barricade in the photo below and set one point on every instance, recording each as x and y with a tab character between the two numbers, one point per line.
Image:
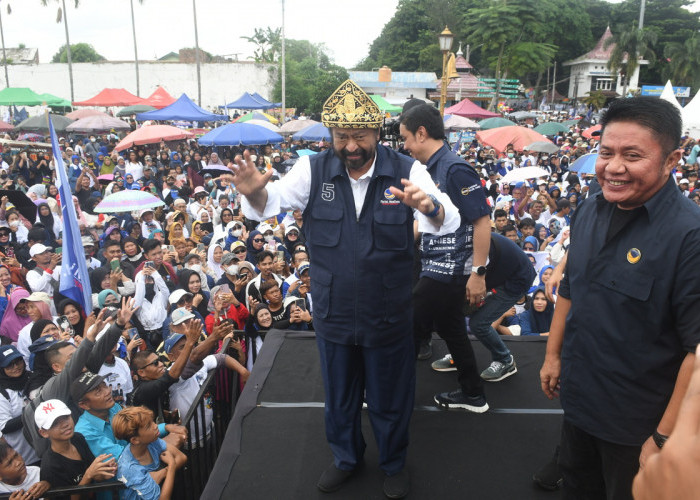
107	486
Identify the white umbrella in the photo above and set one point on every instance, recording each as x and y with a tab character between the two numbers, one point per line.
542	147
523	174
456	122
263	123
294	126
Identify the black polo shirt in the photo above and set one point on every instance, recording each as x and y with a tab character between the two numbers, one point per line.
633	318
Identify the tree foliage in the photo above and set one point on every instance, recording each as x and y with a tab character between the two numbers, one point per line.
684	61
629	46
268	44
80	52
596	99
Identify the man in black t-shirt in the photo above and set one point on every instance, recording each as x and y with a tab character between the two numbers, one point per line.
69	461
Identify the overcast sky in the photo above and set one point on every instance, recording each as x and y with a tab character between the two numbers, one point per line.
167	25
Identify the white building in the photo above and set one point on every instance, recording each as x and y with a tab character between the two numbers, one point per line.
590	72
395	86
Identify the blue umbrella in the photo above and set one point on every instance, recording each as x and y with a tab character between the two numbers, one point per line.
585	164
240	134
314	133
305	152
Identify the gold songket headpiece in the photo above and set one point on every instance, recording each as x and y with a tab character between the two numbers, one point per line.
350	107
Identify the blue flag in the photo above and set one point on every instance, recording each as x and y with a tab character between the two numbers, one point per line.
458	144
75	281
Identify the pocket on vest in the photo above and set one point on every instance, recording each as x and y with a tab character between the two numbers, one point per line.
321	284
326	227
390	232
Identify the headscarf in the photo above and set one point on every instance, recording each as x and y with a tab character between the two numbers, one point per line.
175	161
184	278
540	321
214	266
252	254
46	220
97	276
215	161
38	189
80	327
102	297
38	327
14	383
81	217
12	323
532	240
194	236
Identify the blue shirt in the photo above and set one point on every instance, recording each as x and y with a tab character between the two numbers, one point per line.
98	433
136	476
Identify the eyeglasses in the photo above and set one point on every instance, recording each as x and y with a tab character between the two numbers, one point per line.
155	362
258	240
242	250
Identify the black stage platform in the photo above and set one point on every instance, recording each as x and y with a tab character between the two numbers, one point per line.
275	445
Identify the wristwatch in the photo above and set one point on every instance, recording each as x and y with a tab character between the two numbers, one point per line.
436	204
480	270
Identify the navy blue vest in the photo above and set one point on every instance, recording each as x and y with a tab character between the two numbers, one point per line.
361	268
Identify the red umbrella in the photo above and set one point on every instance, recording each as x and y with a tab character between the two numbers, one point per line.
519	137
588	133
5	126
84	113
151	134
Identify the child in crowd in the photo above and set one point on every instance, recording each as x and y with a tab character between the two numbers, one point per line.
147	461
15	476
69	461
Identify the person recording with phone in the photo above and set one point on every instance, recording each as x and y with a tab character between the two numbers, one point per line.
152	295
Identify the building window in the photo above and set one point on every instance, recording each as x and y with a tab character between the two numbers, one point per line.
604	84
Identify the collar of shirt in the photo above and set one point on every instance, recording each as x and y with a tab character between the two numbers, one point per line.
97	422
359	187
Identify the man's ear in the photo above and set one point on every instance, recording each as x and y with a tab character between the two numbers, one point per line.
83	405
44	433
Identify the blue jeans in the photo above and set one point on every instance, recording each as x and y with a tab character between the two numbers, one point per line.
480	322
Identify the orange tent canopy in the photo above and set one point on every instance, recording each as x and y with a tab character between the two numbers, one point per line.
159	98
111	97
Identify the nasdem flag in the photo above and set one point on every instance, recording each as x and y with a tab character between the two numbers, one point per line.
75	281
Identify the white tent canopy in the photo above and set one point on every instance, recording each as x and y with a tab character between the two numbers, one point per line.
691	117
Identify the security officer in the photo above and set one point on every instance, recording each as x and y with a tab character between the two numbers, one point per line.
355	213
451	263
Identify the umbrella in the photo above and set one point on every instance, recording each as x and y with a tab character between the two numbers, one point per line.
240	134
542	147
490	123
305	152
5	126
263	123
135	109
570	123
588	133
39	123
519	137
30	137
316	132
106	178
215	170
522	115
257	115
128	201
523	174
23	203
551	128
152	134
84	113
296	125
456	122
98	123
585	164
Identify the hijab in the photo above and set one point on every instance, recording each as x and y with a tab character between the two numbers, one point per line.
80	327
97	276
541	321
252	254
215	160
214	266
12	322
184	279
14	383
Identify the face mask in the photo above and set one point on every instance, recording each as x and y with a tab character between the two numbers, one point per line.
210	184
237	233
510	155
489	162
269	238
195	267
14	223
92	139
232	269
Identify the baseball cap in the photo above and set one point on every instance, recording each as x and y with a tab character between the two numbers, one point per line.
289	229
264	227
190	256
87	241
38	249
684	181
228	259
177	295
199	189
48	411
172	340
303	267
237	244
180	315
8	353
84	384
145	211
41	344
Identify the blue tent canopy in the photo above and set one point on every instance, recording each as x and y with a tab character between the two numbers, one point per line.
240	134
182	109
250	101
265	101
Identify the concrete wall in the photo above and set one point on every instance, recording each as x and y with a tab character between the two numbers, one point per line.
221	82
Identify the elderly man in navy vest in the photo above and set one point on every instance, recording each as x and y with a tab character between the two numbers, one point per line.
359	201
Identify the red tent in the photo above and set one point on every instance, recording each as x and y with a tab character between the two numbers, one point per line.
159	98
468	109
112	97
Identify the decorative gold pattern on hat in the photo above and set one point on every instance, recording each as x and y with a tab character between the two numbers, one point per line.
350	107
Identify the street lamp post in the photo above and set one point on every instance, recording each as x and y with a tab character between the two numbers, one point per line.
445	40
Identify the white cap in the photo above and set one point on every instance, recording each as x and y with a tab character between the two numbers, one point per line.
37	249
264	227
48	411
145	211
180	315
177	295
682	181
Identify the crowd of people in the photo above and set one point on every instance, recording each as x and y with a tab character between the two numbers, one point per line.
81	390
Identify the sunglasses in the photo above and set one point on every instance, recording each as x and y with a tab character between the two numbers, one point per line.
240	250
258	240
152	363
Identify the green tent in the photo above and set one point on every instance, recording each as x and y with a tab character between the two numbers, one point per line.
384	106
53	101
490	123
551	128
19	96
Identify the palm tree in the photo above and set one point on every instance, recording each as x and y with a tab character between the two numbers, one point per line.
596	99
61	14
630	46
136	52
684	61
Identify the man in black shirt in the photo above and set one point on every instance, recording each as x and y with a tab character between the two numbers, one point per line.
625	328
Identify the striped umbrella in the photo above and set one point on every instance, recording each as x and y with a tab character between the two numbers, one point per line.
128	201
